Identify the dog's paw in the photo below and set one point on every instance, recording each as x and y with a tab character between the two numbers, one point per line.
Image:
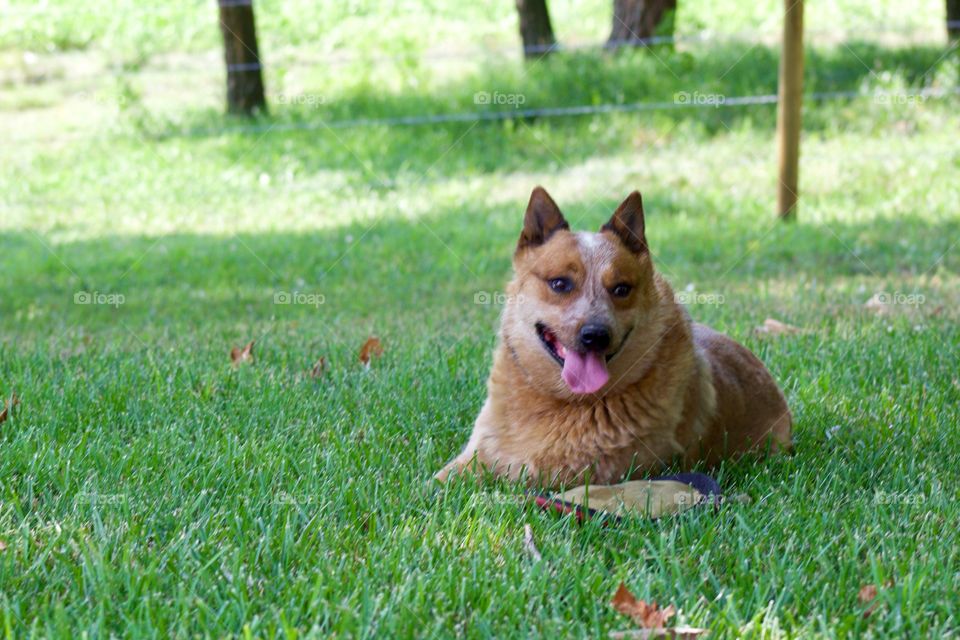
457	468
441	476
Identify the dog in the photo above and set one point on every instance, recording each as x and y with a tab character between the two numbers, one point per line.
600	376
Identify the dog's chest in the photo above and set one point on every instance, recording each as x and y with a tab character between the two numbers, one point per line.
609	436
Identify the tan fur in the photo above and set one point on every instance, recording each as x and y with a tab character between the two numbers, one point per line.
677	390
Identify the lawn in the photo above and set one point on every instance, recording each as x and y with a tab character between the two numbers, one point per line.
150	488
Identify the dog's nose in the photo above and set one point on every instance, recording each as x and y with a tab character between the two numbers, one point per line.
594	337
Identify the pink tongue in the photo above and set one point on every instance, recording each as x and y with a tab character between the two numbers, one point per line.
584	372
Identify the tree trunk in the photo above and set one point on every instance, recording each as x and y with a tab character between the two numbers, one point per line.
535	29
953	20
635	22
244	79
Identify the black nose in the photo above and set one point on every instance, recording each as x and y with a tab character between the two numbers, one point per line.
594	337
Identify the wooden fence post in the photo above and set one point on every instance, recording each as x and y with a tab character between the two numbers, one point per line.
790	100
244	78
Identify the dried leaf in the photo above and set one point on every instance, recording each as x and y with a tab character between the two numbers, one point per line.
648	616
675	633
8	406
320	368
3	545
866	596
529	544
771	327
239	356
371	349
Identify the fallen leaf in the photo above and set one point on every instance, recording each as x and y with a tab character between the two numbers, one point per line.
676	633
648	616
238	355
529	544
371	349
8	406
771	327
867	593
320	368
3	545
866	596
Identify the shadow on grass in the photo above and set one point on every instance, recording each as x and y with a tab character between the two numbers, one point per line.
446	274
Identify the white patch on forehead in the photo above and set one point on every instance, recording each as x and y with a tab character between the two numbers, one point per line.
597	252
588	241
593	246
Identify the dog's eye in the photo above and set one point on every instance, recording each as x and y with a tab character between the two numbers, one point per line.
561	285
621	290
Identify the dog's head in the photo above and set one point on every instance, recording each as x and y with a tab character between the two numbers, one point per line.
584	306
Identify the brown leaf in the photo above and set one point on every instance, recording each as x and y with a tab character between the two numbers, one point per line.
648	616
239	356
320	368
8	406
866	595
771	327
3	545
371	349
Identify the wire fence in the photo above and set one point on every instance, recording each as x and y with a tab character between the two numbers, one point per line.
679	102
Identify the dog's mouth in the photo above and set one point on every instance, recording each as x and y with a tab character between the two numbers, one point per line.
583	372
551	343
558	352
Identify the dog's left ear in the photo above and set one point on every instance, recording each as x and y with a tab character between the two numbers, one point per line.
627	223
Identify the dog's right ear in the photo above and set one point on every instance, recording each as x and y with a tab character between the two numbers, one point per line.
542	219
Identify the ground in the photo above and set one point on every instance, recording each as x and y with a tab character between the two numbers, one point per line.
150	488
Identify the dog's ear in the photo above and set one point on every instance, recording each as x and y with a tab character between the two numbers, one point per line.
627	223
543	217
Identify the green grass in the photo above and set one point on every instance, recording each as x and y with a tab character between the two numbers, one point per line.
148	488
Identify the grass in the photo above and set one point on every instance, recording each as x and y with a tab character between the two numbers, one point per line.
149	488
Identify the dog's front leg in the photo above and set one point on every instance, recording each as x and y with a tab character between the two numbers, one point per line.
472	459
